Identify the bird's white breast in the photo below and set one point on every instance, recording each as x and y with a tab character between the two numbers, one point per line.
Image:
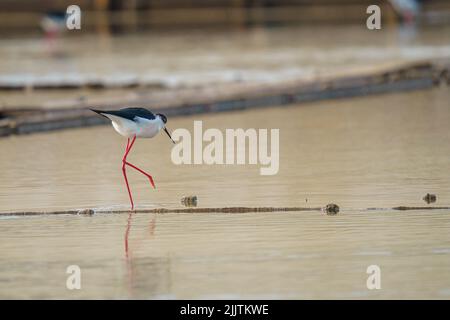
141	127
149	128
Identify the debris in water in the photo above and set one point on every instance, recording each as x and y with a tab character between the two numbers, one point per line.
86	212
429	198
331	209
189	201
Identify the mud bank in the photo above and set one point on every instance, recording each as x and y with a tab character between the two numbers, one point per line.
88	212
402	77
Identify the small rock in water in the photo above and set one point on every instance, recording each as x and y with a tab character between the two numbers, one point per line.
86	212
331	209
429	198
189	201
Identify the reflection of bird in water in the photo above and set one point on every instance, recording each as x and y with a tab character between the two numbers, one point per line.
127	235
408	10
127	252
138	269
151	231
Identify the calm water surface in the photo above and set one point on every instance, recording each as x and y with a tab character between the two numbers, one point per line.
379	151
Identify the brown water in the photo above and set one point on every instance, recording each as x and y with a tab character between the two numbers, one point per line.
378	151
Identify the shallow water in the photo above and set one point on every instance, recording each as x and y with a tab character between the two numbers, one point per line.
378	151
285	255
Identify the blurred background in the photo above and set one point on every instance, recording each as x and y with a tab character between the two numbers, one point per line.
177	52
132	15
363	118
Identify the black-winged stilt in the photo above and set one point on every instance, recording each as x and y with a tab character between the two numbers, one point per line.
135	123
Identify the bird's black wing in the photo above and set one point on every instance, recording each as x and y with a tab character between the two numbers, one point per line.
128	113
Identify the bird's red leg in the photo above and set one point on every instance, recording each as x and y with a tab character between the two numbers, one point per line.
125	162
124	169
143	172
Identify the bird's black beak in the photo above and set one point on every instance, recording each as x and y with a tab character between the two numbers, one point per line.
165	129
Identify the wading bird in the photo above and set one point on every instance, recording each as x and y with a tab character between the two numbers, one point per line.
135	123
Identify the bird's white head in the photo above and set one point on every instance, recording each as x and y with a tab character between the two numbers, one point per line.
163	118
